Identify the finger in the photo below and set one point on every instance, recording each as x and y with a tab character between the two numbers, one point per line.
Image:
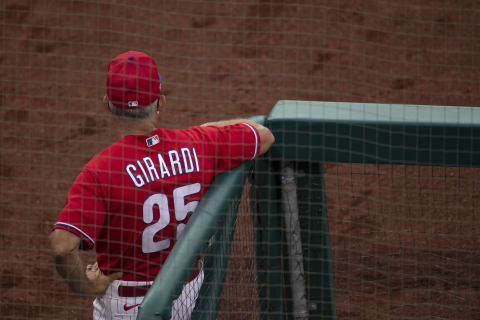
115	276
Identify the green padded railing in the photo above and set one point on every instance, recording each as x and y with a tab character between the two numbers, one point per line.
375	133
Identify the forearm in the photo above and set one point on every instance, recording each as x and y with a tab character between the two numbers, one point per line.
66	256
71	268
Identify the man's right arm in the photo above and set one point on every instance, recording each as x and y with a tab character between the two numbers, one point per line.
266	136
65	250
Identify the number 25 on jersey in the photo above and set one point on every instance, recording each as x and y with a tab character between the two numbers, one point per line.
181	209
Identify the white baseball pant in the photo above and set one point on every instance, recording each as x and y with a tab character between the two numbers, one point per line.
111	305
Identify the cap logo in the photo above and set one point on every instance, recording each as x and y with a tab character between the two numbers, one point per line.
132	103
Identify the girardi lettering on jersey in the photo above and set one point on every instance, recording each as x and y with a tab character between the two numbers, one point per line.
148	170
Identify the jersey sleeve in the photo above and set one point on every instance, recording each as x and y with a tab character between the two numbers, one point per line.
84	212
234	144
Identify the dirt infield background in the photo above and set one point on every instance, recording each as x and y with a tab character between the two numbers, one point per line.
417	259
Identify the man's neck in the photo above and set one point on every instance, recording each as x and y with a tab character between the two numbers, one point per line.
132	127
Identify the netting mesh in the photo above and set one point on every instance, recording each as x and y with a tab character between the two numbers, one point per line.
239	299
404	238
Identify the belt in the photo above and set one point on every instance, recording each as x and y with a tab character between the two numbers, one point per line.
136	291
141	291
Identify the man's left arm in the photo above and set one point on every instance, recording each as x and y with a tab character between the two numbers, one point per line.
66	256
265	135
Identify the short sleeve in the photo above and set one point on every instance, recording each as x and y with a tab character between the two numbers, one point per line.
234	144
84	212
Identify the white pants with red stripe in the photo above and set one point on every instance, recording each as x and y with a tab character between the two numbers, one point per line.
111	306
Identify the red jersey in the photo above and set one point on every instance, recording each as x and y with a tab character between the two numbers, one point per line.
132	200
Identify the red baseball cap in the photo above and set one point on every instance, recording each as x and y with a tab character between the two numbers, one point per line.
133	80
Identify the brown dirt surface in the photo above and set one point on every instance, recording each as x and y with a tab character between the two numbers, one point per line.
417	259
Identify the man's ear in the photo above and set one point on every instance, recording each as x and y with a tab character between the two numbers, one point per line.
162	102
105	103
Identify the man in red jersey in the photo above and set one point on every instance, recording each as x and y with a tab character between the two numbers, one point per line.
131	201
